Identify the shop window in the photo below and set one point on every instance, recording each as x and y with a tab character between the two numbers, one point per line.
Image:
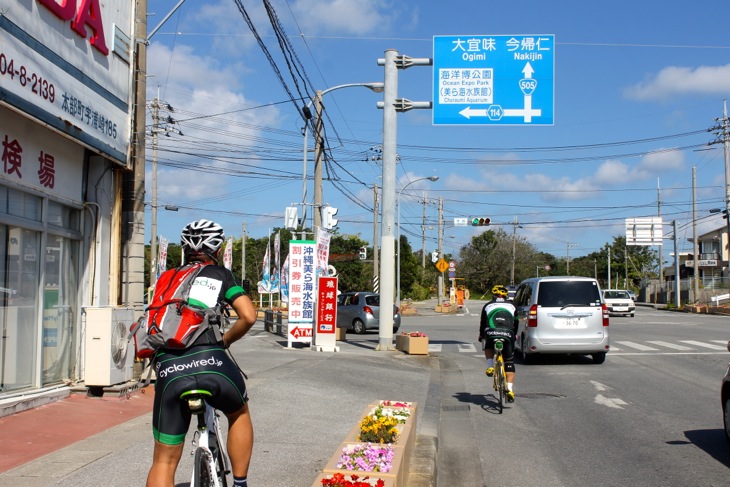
59	308
23	205
19	273
63	216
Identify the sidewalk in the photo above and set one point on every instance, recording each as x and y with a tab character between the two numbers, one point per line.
303	404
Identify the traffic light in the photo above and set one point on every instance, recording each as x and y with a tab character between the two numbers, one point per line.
328	220
480	221
363	253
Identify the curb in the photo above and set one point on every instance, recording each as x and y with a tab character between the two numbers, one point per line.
423	462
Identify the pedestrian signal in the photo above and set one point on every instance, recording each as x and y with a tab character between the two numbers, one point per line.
480	222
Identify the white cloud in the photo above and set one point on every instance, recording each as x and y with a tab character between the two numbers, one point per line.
676	80
342	16
658	163
198	86
465	183
612	172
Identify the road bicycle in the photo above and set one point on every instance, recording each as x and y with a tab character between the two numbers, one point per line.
212	464
500	376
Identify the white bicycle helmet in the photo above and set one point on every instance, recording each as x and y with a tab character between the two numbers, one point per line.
202	236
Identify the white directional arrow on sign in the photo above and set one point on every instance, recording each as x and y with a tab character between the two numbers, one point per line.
527	85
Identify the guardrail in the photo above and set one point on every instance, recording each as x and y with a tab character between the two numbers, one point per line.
272	322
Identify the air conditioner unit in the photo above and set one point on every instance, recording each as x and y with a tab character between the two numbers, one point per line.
109	355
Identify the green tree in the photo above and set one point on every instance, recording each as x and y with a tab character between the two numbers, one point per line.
411	272
488	259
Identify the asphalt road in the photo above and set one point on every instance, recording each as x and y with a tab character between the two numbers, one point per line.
650	415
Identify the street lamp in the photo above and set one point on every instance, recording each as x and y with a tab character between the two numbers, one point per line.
430	178
377	87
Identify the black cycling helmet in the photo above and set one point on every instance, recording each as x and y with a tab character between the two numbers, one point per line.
201	237
500	291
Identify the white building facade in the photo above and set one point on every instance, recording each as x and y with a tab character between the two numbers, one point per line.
66	106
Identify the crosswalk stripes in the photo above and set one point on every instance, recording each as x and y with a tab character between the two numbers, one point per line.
673	346
637	346
706	345
622	346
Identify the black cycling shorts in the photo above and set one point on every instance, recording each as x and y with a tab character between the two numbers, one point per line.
508	337
205	367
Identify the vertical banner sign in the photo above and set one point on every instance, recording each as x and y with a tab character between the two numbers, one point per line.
228	254
163	256
323	250
302	262
276	278
324	331
285	280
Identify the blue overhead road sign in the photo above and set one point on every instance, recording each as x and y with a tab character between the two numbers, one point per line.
494	80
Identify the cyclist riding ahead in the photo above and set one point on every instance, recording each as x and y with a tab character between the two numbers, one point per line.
499	321
204	365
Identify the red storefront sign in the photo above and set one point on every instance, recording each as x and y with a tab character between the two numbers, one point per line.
327	305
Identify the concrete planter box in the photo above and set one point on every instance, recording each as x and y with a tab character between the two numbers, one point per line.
372	478
412	345
404	435
403	448
398	471
341	334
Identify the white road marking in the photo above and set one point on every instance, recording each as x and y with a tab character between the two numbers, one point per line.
434	347
613	402
706	345
671	345
467	348
639	346
599	386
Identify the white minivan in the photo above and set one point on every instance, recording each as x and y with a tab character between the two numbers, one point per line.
561	315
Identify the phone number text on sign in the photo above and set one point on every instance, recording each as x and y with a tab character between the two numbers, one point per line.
37	84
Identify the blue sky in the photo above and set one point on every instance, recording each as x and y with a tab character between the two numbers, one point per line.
637	86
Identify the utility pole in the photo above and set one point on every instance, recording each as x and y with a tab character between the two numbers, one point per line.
661	247
318	143
376	268
243	255
153	226
676	267
387	274
609	267
441	250
568	245
726	144
514	251
129	289
423	234
391	104
695	249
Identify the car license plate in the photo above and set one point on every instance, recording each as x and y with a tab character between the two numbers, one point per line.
572	321
620	308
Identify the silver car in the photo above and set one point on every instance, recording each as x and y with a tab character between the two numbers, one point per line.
561	315
360	311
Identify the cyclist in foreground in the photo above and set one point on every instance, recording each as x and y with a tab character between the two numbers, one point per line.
205	364
499	321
